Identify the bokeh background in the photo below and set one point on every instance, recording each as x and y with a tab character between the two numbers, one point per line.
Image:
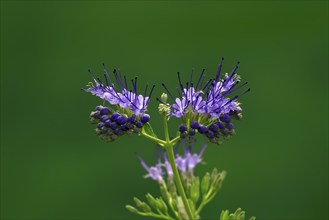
54	167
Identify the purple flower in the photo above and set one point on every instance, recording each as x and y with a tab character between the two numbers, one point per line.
154	172
189	161
168	166
185	163
209	99
123	96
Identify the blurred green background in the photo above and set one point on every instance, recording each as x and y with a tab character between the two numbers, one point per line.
54	167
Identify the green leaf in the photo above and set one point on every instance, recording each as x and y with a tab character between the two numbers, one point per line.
147	128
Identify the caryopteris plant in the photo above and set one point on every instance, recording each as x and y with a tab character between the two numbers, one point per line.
205	107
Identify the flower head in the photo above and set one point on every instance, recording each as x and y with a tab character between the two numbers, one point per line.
208	103
129	117
128	99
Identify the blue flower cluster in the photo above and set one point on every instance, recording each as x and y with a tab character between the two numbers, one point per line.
222	127
206	108
123	97
111	124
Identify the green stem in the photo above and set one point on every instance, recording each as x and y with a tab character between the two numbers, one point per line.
178	181
157	140
165	127
169	144
174	141
154	215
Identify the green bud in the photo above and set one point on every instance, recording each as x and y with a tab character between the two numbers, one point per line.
162	205
131	209
164	97
146	208
142	205
219	180
181	209
239	214
195	190
205	184
224	215
151	200
171	187
138	203
164	193
214	174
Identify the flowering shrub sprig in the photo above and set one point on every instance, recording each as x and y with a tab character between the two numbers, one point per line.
204	107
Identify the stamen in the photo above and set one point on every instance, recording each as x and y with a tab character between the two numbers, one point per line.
125	82
180	82
150	95
161	101
232	73
219	69
242	94
151	91
145	91
117	79
179	94
91	74
120	78
171	96
206	85
191	76
99	80
239	87
106	75
201	75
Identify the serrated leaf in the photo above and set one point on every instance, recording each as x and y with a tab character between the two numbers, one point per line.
147	128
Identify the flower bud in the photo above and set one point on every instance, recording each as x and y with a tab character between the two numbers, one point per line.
164	97
182	128
205	184
145	118
131	209
104	111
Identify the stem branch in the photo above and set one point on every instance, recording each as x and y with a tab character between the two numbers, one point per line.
157	140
